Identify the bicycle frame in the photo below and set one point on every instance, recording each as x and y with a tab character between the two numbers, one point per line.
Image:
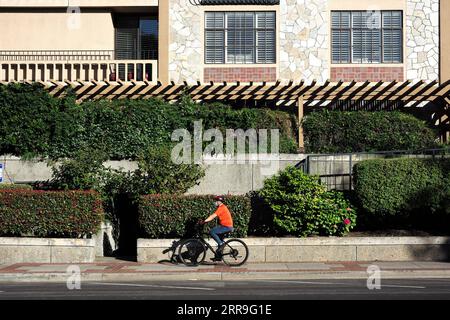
200	235
201	238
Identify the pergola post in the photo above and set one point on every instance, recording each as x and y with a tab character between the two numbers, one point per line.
301	142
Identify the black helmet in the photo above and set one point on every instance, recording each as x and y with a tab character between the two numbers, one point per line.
218	198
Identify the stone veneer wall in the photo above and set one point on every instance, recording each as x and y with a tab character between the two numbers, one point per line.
186	42
304	40
422	33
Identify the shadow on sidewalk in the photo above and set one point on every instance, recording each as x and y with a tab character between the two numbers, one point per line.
173	250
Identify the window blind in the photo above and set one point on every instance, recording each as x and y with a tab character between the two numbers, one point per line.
240	37
366	36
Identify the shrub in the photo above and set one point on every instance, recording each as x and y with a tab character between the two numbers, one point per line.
70	214
167	216
303	207
120	190
26	119
85	171
402	192
157	174
10	186
33	123
340	132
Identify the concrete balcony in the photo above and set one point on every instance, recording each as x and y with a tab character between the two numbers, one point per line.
78	3
73	65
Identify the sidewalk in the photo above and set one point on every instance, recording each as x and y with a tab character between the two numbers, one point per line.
115	270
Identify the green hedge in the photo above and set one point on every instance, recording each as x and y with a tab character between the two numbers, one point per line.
168	216
402	192
359	131
71	214
33	123
10	186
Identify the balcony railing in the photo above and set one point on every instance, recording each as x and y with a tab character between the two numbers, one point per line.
113	70
83	65
77	55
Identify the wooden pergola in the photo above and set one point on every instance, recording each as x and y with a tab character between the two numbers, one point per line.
303	94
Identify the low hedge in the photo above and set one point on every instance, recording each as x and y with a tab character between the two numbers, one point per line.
360	131
402	192
11	186
172	216
71	214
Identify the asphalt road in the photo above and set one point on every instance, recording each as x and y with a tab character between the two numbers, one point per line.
409	289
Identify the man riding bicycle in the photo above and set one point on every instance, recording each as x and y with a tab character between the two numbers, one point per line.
225	222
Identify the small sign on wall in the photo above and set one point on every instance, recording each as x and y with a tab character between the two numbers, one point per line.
1	172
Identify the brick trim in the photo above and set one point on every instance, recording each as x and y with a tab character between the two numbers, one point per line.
244	74
373	74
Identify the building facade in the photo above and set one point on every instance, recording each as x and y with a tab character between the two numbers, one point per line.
224	40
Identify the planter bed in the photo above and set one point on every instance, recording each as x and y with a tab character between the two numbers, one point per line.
46	250
320	249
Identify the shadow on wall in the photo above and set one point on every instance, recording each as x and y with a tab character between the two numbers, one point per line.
437	252
190	231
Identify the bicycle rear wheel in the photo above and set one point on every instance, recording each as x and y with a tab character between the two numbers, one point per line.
192	252
234	253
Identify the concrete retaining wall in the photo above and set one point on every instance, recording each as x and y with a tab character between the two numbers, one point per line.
235	178
322	249
40	250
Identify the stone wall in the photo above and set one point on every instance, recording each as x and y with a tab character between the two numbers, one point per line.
304	31
303	37
186	42
422	32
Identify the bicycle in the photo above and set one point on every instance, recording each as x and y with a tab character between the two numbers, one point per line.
192	252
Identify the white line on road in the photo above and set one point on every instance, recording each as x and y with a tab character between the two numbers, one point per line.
306	282
150	285
337	283
395	286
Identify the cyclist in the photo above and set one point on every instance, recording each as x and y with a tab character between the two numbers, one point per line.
225	222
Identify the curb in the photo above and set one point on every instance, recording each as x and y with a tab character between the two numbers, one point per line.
221	276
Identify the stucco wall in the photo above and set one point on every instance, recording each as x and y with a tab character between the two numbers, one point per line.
51	31
81	3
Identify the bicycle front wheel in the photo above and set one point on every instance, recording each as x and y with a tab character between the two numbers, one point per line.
234	253
192	252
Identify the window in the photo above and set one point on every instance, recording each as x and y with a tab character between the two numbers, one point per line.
240	37
367	36
136	37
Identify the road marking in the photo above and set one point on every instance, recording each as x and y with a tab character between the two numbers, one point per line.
337	283
150	285
395	286
306	282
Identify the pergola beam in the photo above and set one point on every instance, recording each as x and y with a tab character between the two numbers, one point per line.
283	94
